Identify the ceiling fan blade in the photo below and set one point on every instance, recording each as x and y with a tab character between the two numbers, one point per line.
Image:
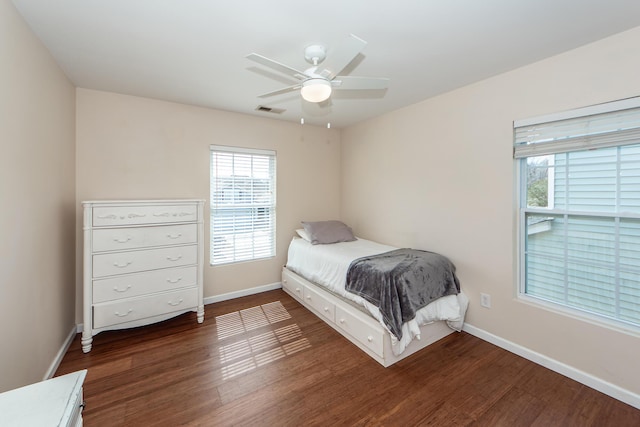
285	69
280	91
353	82
338	59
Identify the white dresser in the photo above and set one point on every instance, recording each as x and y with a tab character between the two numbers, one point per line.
55	402
143	263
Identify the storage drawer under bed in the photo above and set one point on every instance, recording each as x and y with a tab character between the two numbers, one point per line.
370	335
292	285
319	303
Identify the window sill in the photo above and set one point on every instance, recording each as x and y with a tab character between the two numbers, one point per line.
594	319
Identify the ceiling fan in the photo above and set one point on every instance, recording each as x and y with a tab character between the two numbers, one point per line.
318	81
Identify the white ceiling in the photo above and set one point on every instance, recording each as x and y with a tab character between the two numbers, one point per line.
193	51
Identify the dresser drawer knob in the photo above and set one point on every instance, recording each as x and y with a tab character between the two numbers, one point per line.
174	236
174	280
176	303
115	288
126	264
125	240
370	338
326	309
309	297
165	214
174	258
136	215
298	290
123	315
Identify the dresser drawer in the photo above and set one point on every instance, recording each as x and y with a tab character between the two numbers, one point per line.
133	285
364	331
113	313
319	303
293	285
109	239
110	264
128	215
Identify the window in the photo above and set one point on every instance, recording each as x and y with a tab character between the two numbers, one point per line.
243	204
579	210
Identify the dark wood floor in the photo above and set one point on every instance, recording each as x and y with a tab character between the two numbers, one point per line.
266	360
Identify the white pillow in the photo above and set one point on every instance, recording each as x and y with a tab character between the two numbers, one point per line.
303	234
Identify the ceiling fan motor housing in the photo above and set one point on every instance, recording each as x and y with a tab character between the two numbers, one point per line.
315	54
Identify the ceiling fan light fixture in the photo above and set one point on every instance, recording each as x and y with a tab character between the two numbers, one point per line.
316	89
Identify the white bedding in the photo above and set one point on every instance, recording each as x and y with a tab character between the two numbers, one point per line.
327	265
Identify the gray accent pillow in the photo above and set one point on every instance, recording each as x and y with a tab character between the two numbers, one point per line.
325	232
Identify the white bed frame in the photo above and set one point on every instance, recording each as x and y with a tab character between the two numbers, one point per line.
358	327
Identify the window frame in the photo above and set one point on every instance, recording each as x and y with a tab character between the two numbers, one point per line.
237	255
522	210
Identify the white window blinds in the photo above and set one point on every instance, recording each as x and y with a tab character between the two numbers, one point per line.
600	126
243	204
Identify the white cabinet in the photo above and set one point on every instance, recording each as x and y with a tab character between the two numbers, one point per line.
55	402
143	263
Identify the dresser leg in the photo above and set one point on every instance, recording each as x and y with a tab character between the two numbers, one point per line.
86	343
200	313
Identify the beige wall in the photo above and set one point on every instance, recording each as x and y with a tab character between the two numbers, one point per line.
37	222
130	147
439	175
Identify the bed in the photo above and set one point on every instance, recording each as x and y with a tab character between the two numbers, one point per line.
318	275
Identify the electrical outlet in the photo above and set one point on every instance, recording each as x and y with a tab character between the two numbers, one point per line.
485	300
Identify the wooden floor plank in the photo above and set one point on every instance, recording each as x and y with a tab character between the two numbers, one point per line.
266	360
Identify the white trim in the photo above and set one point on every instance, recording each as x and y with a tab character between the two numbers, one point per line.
242	293
581	315
606	107
243	150
60	355
582	377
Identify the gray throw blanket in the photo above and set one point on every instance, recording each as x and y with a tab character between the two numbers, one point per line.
401	282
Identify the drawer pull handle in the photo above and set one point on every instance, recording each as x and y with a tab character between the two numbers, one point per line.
123	315
136	215
174	236
176	303
115	288
161	214
174	258
125	240
341	320
298	290
309	297
285	281
174	280
186	213
369	338
326	309
111	216
126	264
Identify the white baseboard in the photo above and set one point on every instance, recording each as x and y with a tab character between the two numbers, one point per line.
58	359
605	387
242	293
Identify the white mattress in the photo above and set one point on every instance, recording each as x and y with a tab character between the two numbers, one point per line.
327	265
